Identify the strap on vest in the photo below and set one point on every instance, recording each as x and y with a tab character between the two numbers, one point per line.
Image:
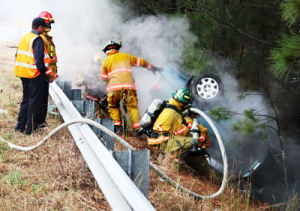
176	109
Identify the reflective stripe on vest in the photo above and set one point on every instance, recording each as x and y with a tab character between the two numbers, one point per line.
158	140
119	87
118	71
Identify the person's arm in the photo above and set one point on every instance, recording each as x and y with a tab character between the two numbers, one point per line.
104	74
140	62
38	47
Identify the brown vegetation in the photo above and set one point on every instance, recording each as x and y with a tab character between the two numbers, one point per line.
56	177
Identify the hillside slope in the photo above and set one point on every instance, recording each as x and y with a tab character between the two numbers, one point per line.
55	176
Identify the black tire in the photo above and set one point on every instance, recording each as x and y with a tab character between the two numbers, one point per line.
207	89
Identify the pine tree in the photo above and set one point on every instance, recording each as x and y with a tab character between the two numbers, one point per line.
285	58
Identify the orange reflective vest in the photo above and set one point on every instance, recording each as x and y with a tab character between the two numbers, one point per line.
116	70
25	66
50	48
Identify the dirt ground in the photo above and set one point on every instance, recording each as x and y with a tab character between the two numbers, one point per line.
56	177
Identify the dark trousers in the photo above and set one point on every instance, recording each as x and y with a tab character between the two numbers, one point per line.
33	108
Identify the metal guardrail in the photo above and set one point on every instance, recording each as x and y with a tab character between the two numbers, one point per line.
118	189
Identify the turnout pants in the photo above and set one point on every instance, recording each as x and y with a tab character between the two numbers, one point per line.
33	108
131	104
177	145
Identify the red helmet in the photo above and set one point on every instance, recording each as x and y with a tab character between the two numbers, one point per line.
47	17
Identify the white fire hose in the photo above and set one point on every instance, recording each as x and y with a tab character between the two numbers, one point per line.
128	146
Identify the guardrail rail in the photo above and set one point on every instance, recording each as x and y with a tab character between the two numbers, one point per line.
118	189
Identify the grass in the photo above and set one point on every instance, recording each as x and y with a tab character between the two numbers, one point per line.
56	177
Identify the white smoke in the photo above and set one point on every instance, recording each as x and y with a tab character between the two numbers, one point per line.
82	28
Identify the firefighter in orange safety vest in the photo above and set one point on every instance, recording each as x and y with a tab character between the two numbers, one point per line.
116	70
171	130
51	72
49	45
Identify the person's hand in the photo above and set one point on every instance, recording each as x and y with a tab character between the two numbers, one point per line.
195	142
155	69
53	78
79	81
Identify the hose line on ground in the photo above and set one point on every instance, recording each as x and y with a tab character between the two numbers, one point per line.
121	141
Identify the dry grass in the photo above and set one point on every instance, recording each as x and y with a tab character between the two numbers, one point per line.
55	176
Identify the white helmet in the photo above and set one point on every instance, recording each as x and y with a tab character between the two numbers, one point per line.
112	45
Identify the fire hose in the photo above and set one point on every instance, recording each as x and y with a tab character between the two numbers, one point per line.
128	146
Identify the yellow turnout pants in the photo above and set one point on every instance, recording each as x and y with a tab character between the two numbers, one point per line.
131	103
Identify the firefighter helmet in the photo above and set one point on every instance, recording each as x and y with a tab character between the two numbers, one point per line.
183	95
47	16
112	45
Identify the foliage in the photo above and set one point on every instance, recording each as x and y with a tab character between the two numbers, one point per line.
15	178
290	11
37	188
227	28
194	60
247	125
249	114
220	113
285	58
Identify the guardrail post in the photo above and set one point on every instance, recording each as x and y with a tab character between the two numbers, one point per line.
79	105
108	141
76	94
89	106
64	84
136	164
118	189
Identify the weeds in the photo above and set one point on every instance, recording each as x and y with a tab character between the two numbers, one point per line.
56	177
37	188
15	178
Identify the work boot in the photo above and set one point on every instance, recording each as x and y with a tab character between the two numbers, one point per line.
132	133
139	131
118	130
136	132
39	126
28	132
18	130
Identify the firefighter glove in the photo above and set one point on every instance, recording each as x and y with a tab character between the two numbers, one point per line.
155	69
202	138
195	143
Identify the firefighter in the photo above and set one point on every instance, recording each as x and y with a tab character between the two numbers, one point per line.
51	72
172	131
93	89
116	70
32	60
50	46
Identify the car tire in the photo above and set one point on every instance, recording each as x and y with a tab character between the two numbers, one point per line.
206	88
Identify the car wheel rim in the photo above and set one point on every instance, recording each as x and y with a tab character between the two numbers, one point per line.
207	88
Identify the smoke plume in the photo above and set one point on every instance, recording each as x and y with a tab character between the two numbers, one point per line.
82	28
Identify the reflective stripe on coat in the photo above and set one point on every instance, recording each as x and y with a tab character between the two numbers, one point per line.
171	122
116	69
